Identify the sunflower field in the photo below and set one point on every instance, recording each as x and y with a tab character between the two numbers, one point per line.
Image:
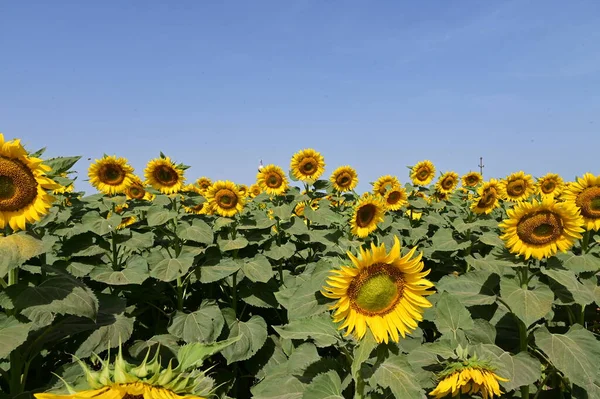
167	286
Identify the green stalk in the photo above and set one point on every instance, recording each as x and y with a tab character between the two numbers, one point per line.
179	294
234	294
585	242
581	315
523	348
115	252
279	263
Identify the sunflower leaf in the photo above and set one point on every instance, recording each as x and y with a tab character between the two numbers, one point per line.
473	288
451	315
320	329
251	334
199	231
258	269
529	305
194	354
396	374
12	334
135	271
325	386
171	268
203	325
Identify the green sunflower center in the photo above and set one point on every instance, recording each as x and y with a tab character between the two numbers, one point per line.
589	202
18	186
376	290
540	228
7	188
365	215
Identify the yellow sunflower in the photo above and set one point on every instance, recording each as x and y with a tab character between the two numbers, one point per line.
243	189
225	199
550	184
470	381
541	229
384	183
447	183
414	215
314	204
585	195
199	209
272	180
472	179
422	173
137	190
204	183
518	187
163	175
382	291
110	175
307	165
23	185
64	189
299	208
488	197
344	178
126	221
368	211
395	198
254	190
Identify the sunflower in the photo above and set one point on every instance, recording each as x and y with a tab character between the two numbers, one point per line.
382	291
204	183
163	175
110	175
488	197
299	208
518	187
585	195
541	229
307	165
199	209
23	185
344	179
384	183
225	199
550	184
126	221
243	189
395	198
254	190
472	179
468	380
314	204
272	180
414	215
64	189
368	212
422	173
447	183
441	196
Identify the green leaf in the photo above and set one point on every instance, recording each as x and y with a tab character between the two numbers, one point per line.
134	272
529	305
107	336
157	216
252	336
194	354
442	241
323	216
473	288
199	231
483	332
12	334
16	249
171	268
396	374
451	315
224	268
575	353
520	369
203	325
580	293
580	263
139	241
491	239
94	222
362	352
162	342
283	212
320	329
278	252
258	269
61	165
230	245
325	386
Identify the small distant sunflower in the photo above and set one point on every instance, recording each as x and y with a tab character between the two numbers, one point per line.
307	165
488	197
440	196
163	175
299	208
344	178
395	198
518	187
254	190
585	195
414	215
272	180
110	175
422	173
367	213
23	185
472	179
126	221
550	184
447	183
314	204
384	183
470	381
243	189
384	292
204	183
541	229
225	199
137	191
199	209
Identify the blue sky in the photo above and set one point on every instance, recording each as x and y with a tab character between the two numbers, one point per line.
378	85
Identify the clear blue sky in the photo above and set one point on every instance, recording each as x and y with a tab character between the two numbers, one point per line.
378	85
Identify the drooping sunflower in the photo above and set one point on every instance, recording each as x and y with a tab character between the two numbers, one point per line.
199	209
384	292
254	190
550	184
384	183
518	187
225	199
488	197
422	173
307	165
272	180
163	175
468	380
447	183
204	183
23	185
541	229
471	179
395	198
136	190
368	211
585	195
110	175
243	189
344	178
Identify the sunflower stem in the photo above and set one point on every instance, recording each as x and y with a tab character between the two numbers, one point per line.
581	315
523	348
585	242
115	252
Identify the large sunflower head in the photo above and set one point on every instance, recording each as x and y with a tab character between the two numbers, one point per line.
395	198
368	211
254	190
422	173
585	195
541	229
472	179
384	183
163	175
110	175
550	184
518	186
272	180
225	199
464	378
23	185
447	183
384	292
344	178
204	183
488	197
307	165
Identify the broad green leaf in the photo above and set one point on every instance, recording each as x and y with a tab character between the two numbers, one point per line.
473	288
521	369
325	386
134	272
442	241
491	239
203	325
79	269
281	386
199	231
483	332
94	222
580	293
194	354
451	315
139	241
304	299
230	245
61	165
580	263
157	216
320	329
258	269
396	374
12	334
224	268
16	249
529	305
362	352
283	212
162	342
278	252
296	226
323	216
171	268
259	294
252	336
107	336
